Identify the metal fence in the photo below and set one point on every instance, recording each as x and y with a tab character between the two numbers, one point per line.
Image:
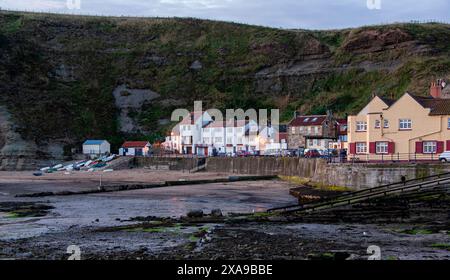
394	158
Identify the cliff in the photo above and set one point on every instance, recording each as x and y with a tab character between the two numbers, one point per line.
67	78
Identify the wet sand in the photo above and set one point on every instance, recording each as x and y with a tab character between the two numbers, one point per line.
81	219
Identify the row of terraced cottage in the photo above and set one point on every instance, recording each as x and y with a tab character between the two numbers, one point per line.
410	128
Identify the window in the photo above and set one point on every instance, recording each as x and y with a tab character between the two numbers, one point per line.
429	147
229	140
361	126
448	123
306	120
316	130
377	123
229	130
293	130
315	142
361	148
405	124
382	147
315	119
310	142
206	130
386	123
218	139
239	140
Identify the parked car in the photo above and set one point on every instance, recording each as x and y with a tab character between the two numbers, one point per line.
222	154
272	153
243	154
312	154
444	157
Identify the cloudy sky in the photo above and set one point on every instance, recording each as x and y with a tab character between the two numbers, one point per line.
310	14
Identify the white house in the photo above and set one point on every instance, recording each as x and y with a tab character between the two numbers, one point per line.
213	139
191	131
173	140
228	137
96	147
135	148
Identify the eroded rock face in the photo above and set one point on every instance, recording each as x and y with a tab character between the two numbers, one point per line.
130	101
375	39
19	154
14	151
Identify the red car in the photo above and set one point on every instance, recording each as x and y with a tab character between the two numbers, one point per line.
312	154
243	154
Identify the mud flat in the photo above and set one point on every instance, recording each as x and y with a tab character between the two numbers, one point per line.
150	223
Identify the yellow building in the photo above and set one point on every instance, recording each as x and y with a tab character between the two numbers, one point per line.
411	128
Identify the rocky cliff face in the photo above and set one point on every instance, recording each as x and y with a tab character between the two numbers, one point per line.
67	78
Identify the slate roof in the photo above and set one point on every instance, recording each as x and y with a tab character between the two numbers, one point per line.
437	106
308	120
94	142
387	101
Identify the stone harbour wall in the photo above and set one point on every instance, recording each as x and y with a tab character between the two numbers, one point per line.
354	176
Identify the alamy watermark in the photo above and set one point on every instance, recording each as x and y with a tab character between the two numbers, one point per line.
374	4
75	253
73	4
258	117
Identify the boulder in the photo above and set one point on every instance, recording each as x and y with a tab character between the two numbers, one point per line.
195	213
216	213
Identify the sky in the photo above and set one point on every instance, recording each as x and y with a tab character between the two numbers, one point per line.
305	14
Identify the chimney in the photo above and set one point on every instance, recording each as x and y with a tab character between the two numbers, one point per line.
436	89
296	114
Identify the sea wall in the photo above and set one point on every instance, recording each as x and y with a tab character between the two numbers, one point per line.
355	176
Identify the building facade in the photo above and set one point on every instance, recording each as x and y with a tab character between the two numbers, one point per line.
318	127
96	147
411	128
135	148
191	131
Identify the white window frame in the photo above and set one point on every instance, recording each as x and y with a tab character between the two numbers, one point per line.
377	124
405	124
361	126
382	147
361	148
316	130
386	123
429	147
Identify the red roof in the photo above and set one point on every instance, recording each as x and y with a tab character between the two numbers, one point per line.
135	144
307	120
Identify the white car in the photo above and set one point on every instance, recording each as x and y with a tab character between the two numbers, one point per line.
444	157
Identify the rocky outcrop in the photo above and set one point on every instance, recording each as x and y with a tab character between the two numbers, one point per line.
130	101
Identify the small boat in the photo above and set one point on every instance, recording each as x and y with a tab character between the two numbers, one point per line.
44	169
57	166
99	165
108	159
38	173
